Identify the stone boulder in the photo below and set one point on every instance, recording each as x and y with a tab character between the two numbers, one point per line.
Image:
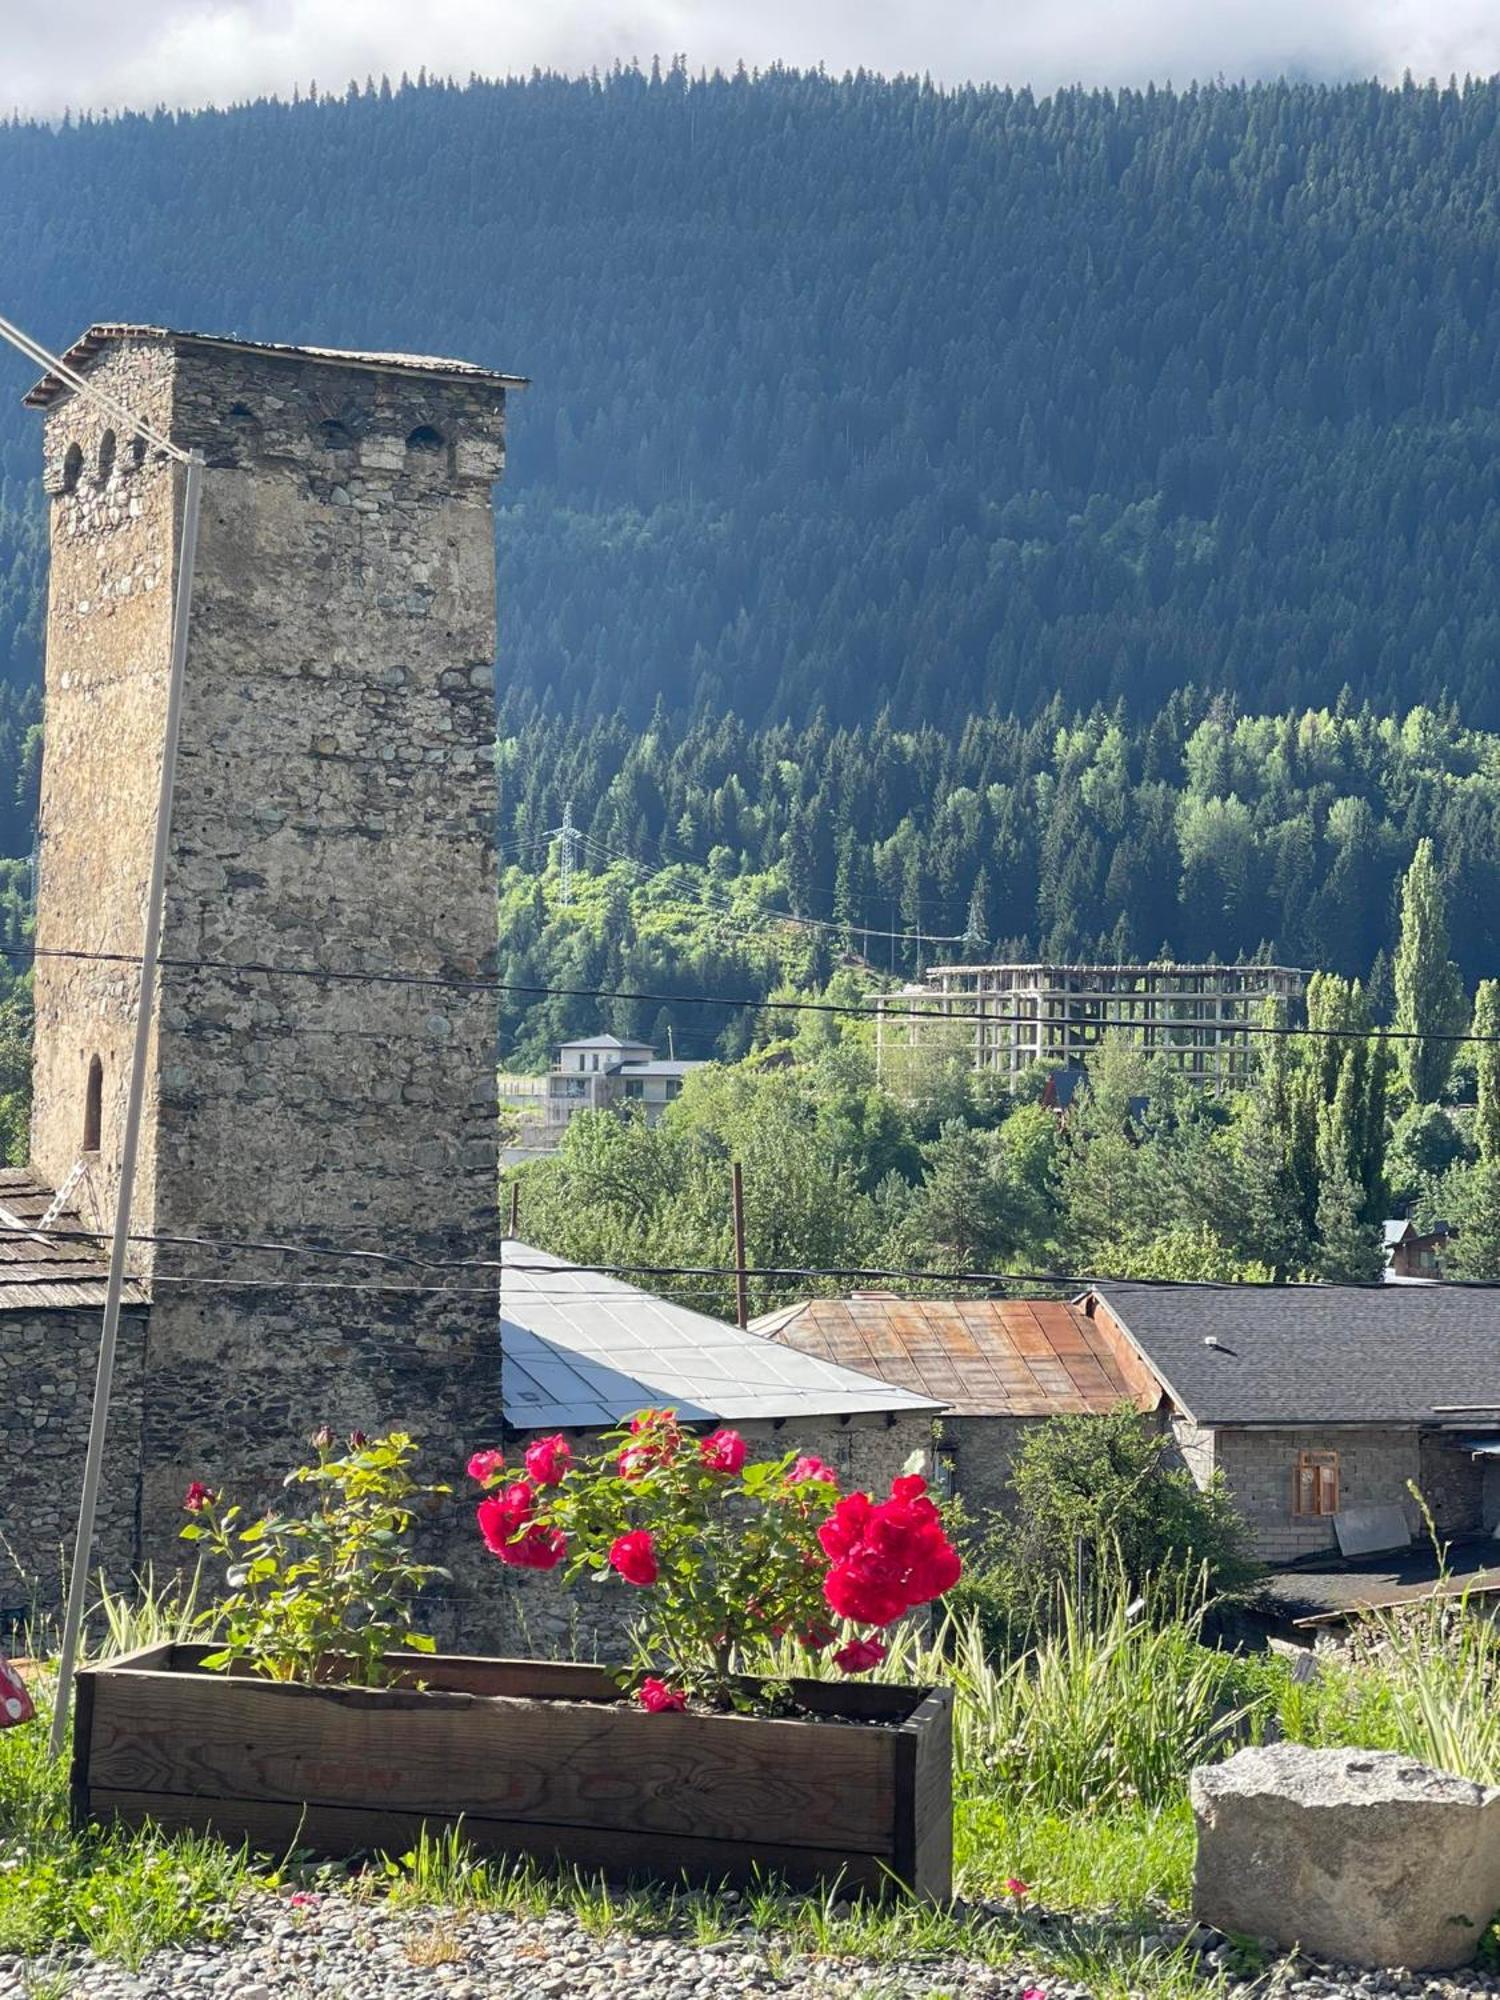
1364	1856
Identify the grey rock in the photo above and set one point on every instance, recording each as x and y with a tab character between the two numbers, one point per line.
1365	1857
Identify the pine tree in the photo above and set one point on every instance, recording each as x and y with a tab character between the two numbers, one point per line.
1429	991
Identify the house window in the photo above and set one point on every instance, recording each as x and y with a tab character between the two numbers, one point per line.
1315	1484
93	1106
424	438
107	449
72	467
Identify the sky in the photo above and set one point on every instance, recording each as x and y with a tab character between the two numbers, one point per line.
105	54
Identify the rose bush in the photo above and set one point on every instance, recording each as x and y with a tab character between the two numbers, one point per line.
328	1592
727	1554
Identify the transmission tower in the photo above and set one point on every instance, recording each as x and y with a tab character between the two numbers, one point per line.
565	836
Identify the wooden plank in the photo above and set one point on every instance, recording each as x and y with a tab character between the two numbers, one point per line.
562	1762
277	1827
83	1733
932	1800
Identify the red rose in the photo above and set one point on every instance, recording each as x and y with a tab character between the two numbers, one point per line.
809	1468
634	1556
910	1486
548	1459
859	1656
503	1515
538	1547
723	1451
658	1699
198	1496
844	1529
866	1590
485	1464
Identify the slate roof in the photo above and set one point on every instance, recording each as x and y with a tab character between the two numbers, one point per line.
1296	1355
57	1273
98	336
581	1350
982	1357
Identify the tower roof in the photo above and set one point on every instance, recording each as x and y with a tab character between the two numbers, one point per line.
98	336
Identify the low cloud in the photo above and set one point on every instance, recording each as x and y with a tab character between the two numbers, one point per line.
100	54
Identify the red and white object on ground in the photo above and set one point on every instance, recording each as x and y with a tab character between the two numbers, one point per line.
15	1702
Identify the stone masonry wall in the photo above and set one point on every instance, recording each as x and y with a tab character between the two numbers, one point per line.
335	810
544	1619
49	1385
982	1452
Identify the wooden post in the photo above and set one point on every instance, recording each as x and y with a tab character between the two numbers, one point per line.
741	1282
515	1210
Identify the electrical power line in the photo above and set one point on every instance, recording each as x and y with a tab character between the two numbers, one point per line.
845	1273
756	1003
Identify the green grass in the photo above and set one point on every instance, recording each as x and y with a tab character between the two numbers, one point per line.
1071	1769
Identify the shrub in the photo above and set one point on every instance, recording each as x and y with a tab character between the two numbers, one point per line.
328	1593
727	1554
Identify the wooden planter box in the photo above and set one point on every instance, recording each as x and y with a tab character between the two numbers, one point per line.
534	1758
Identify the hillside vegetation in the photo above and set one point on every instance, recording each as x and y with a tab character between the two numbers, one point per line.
858	395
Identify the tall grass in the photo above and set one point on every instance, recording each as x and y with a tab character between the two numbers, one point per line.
1423	1679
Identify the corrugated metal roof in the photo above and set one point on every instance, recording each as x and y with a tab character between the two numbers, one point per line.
88	344
581	1351
982	1357
54	1273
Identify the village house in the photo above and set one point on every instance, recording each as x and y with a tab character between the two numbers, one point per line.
583	1351
1412	1255
604	1073
998	1368
1322	1407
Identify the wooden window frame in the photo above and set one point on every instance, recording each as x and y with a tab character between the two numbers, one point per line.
1315	1485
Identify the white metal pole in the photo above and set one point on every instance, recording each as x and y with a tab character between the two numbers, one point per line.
187	549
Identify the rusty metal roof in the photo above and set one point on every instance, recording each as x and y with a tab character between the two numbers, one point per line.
55	1272
88	344
982	1357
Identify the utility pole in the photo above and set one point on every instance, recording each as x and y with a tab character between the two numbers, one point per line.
741	1278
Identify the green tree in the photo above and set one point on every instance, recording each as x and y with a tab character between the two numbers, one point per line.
1429	991
1487	1069
1472	1197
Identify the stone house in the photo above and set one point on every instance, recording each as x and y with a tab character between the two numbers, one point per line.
583	1351
334	815
1322	1407
998	1367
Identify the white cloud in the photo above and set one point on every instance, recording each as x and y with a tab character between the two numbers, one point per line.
107	53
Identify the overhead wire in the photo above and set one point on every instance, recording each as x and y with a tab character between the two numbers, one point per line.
887	1005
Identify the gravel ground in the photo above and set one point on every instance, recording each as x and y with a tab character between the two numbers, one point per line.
334	1948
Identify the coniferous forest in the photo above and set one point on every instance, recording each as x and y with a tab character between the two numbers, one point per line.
1066	524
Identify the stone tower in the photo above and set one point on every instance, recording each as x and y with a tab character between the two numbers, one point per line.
334	813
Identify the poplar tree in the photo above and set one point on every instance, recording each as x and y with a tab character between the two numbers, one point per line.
1429	991
1487	1063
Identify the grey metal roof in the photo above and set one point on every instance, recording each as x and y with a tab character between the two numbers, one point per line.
49	1273
581	1350
89	343
679	1068
603	1042
1310	1354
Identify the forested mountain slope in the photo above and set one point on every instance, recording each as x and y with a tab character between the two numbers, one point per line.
856	395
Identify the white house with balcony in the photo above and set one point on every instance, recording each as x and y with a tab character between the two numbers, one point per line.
604	1073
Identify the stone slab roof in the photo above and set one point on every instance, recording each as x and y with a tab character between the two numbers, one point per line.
581	1350
1295	1355
51	1273
981	1357
98	336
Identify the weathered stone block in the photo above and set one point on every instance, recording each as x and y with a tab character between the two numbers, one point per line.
1363	1856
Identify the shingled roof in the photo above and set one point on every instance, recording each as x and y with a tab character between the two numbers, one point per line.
1295	1355
52	1272
982	1357
88	345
